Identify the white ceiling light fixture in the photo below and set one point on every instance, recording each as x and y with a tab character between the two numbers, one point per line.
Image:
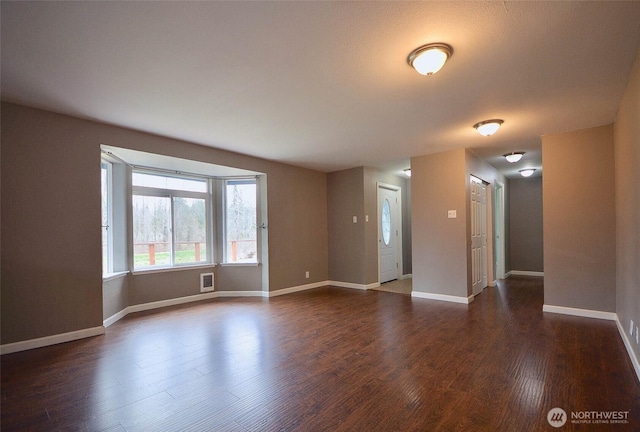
527	172
429	59
488	127
513	157
407	172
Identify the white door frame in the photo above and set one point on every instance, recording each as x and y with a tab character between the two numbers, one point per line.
380	185
499	231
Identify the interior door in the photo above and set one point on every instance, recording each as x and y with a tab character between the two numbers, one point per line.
478	235
388	233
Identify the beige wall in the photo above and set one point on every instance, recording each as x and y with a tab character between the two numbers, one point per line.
51	254
627	163
441	250
347	259
439	244
525	210
371	227
579	219
115	296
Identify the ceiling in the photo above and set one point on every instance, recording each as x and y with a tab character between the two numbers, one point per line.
325	85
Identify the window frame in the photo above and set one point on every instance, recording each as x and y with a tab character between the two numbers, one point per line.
223	217
108	224
171	194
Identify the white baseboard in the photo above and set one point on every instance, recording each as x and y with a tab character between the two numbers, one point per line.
406	276
349	285
115	317
50	340
176	301
525	273
628	346
171	302
586	313
206	296
241	294
296	289
442	297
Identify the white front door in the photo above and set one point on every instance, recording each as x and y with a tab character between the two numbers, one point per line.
478	236
388	236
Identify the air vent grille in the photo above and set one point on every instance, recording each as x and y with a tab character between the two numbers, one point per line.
206	282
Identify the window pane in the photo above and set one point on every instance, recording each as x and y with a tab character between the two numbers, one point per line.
190	230
171	183
240	219
151	231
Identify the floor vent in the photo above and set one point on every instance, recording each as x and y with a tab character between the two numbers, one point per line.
206	282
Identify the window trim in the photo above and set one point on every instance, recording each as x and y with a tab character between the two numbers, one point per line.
109	214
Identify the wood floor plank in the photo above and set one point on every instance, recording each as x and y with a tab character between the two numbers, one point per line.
329	359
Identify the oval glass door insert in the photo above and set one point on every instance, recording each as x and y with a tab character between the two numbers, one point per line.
386	222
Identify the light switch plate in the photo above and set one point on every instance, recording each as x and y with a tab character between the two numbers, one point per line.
355	219
452	214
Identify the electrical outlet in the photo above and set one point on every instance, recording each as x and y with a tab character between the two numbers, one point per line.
631	328
306	275
637	336
355	219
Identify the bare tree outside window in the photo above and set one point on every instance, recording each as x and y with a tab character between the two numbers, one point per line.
241	225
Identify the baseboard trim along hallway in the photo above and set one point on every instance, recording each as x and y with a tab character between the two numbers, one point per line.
586	313
442	297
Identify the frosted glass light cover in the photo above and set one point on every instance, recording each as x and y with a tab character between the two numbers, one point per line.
488	128
430	61
513	157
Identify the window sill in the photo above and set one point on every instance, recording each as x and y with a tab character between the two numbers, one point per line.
172	269
115	275
239	264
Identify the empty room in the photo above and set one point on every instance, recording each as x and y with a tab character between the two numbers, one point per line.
320	216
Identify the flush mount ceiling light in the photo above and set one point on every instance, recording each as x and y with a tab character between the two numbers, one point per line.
527	172
407	172
513	156
488	127
429	59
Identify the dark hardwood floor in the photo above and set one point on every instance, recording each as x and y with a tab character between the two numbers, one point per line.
329	359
